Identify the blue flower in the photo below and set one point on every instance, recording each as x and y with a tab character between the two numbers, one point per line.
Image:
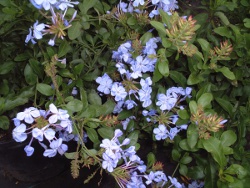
137	2
29	150
118	91
64	4
19	134
161	132
28	115
105	84
56	146
45	3
175	182
166	102
57	114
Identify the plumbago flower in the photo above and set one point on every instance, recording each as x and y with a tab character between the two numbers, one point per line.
59	22
43	125
131	169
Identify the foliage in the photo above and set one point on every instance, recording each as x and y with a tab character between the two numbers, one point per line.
200	62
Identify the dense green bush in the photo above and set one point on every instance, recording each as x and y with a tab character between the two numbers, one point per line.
198	53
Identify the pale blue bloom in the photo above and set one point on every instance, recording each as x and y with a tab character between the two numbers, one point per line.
118	91
57	114
121	68
64	4
105	84
51	42
145	96
30	37
160	177
36	5
37	30
29	150
151	46
123	52
161	132
56	146
135	182
108	163
118	107
136	3
19	134
16	121
173	132
130	104
28	115
66	125
166	102
37	134
142	168
110	148
195	184
150	177
175	182
45	3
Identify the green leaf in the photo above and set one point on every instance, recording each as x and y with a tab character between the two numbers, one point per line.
183	169
226	72
247	22
222	31
4	122
185	159
106	132
150	159
194	78
205	100
133	136
92	135
145	38
30	76
45	89
178	78
6	67
131	21
228	138
175	155
63	48
236	169
36	67
193	107
94	98
75	30
184	145
211	176
226	105
183	114
204	44
163	68
192	135
75	105
71	155
222	17
213	146
86	5
159	27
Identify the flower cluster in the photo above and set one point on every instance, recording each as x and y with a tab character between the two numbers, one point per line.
132	170
59	23
166	117
43	125
131	69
